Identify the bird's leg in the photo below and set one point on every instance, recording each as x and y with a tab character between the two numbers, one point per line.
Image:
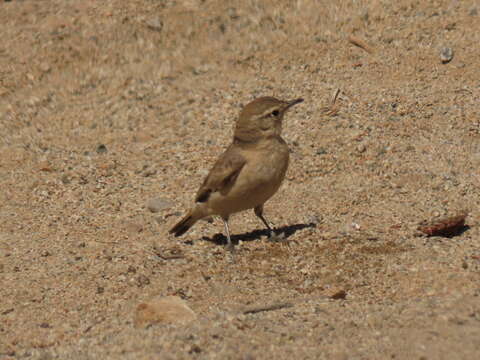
259	212
230	246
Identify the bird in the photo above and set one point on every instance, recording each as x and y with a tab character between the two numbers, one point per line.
249	172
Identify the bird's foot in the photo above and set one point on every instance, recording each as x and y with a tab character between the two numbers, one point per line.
231	248
280	237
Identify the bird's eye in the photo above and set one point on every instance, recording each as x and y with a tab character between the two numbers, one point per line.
275	113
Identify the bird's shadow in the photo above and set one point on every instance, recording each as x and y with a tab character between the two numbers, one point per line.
284	232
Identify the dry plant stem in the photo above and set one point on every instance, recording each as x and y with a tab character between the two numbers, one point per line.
260	308
360	43
334	100
332	109
157	251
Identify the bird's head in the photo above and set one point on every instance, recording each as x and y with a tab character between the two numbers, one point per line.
262	118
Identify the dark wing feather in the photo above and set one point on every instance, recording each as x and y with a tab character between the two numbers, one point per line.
223	174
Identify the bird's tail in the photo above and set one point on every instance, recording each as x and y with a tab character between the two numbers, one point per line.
186	223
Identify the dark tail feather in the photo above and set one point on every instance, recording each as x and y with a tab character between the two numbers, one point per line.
183	225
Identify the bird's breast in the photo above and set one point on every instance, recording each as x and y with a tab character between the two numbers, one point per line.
265	168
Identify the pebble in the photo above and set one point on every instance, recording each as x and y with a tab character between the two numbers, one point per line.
155	24
45	67
169	309
142	281
446	55
158	204
133	227
65	179
336	293
101	149
45	166
361	148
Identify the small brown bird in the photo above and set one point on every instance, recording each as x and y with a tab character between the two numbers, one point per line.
249	172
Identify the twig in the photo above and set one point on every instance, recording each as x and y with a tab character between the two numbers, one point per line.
260	308
333	108
157	251
360	43
334	100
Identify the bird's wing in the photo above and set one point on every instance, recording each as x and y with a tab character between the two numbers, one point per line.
223	174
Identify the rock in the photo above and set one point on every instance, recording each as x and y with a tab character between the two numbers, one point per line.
361	148
65	179
133	227
45	166
45	67
447	227
155	24
169	309
142	281
158	204
336	293
446	55
142	137
101	149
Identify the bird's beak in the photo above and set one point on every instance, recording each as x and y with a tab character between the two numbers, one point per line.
293	102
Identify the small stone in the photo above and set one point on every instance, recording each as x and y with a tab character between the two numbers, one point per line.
45	253
142	281
314	219
8	311
169	309
133	227
45	166
158	204
446	55
361	148
195	349
155	24
142	137
65	179
150	172
45	67
338	294
101	149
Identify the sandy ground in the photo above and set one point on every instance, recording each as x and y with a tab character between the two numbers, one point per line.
106	106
